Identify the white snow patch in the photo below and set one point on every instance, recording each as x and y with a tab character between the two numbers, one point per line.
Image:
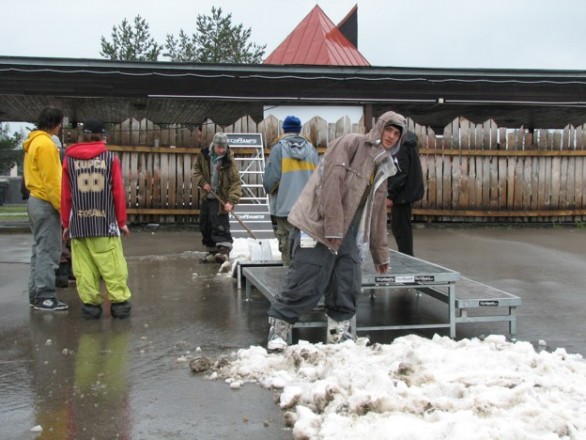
421	388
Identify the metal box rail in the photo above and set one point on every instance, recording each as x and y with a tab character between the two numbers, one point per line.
409	272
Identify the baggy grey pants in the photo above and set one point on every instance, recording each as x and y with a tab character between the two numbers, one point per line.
46	252
315	272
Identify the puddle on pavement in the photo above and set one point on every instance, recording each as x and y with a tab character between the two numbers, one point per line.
76	378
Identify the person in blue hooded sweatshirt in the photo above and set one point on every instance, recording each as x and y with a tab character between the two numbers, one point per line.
289	166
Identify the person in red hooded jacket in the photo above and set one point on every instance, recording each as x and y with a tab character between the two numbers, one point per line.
93	214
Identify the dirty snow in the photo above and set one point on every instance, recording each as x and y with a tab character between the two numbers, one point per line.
418	388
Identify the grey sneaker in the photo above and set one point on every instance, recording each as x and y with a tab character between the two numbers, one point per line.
278	334
339	331
50	305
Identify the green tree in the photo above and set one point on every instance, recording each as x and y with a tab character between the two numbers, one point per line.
131	43
216	40
9	155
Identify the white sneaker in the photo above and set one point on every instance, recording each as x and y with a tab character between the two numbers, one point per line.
339	331
278	334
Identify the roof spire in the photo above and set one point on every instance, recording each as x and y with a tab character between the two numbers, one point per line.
317	41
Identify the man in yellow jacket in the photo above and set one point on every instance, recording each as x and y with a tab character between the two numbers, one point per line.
42	175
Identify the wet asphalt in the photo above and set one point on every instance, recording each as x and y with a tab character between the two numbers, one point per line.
126	379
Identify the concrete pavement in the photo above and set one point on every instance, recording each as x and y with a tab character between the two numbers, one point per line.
124	379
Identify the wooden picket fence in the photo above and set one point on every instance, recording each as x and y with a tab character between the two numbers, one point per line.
473	172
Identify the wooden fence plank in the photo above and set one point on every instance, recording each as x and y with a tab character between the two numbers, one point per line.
555	182
456	180
581	187
476	198
446	181
486	183
148	203
157	197
534	183
563	188
191	194
164	179
479	136
180	182
528	140
557	140
464	138
134	180
316	131
581	137
542	184
448	140
494	183
270	129
141	197
518	185
570	199
486	135
172	181
428	163
126	174
509	178
439	180
502	184
431	139
466	185
526	187
565	138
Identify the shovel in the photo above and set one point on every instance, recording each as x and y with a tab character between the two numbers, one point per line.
260	250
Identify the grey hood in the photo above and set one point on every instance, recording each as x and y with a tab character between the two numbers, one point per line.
374	136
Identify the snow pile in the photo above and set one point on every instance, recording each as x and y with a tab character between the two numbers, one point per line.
416	388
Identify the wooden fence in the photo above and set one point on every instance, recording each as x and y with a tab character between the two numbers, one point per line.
473	172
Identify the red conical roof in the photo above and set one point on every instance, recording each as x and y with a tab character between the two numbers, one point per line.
316	41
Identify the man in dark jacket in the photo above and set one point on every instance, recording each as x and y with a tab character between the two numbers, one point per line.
405	188
216	173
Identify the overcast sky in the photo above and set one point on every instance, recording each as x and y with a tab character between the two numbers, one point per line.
519	34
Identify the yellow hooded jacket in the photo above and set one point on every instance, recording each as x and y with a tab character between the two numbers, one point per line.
42	168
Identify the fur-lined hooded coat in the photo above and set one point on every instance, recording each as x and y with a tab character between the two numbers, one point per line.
354	165
230	187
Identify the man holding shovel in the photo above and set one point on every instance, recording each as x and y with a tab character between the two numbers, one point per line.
216	174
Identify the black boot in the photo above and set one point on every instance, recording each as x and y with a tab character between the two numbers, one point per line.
120	310
91	311
62	275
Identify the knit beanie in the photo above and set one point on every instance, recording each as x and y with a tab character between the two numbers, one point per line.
291	124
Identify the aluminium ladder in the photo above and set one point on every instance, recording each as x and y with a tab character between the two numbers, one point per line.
253	209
